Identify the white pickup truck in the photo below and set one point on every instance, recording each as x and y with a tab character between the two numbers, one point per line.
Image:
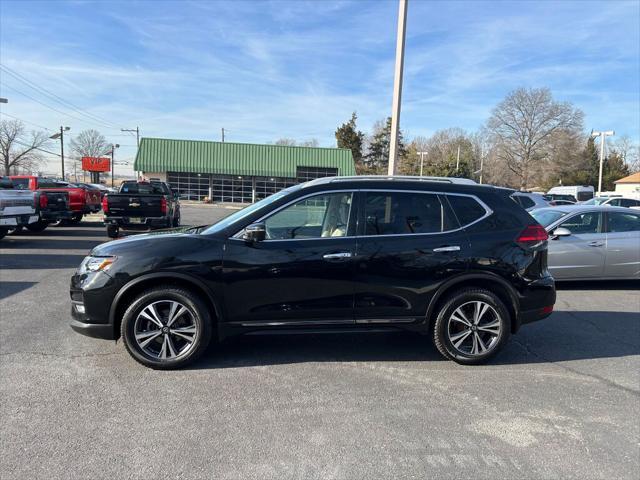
17	207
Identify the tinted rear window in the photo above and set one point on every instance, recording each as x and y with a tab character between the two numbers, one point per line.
467	209
21	183
393	213
524	201
143	188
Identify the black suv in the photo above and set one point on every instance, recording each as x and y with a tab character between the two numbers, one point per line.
449	258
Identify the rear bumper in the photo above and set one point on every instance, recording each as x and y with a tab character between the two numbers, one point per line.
53	216
145	223
18	220
536	301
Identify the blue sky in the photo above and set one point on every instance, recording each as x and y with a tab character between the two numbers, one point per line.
297	69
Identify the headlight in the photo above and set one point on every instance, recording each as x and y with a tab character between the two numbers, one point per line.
96	264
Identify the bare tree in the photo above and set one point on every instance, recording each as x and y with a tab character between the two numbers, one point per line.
310	143
287	142
19	149
629	152
523	126
89	143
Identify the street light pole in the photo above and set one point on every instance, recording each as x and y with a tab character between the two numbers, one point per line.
603	138
422	154
397	87
113	148
61	137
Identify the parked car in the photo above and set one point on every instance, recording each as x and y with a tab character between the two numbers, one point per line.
554	197
82	201
555	203
614	201
592	242
140	206
529	201
580	192
461	262
103	189
17	208
51	207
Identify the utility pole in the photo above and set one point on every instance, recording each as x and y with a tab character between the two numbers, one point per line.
60	135
397	87
137	130
603	138
422	154
222	134
458	160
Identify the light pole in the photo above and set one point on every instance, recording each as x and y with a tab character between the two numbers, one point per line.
60	135
397	87
137	130
422	154
603	136
113	148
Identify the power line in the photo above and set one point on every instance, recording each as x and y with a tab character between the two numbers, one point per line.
45	105
25	121
55	97
36	148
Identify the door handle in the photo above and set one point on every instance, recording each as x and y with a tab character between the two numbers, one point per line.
596	244
450	248
337	256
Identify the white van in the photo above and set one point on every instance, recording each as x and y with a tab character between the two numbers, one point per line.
580	192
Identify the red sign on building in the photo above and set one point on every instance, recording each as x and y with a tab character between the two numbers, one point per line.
94	164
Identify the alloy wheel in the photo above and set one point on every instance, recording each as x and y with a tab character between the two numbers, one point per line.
165	330
474	328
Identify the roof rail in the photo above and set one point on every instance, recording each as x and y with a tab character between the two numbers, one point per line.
404	178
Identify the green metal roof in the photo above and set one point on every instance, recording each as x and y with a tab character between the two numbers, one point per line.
228	158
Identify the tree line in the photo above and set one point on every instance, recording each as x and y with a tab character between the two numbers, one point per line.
529	141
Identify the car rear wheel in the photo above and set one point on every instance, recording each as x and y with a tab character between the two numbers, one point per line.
112	231
37	227
76	219
166	328
472	326
3	232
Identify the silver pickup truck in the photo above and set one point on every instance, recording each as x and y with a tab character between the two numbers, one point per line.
17	207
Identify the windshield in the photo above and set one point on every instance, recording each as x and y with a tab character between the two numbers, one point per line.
596	201
547	217
240	214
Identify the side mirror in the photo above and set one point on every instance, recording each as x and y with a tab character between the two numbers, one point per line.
561	232
256	232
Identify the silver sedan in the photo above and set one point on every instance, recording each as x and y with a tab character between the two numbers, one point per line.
592	242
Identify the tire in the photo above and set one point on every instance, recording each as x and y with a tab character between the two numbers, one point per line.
15	230
166	351
3	233
37	227
459	337
112	231
76	219
175	222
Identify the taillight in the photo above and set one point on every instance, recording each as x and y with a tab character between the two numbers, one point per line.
533	234
105	204
44	200
163	205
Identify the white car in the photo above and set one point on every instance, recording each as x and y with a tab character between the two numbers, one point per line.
614	202
17	207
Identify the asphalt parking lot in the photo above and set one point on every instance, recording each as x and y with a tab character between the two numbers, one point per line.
562	400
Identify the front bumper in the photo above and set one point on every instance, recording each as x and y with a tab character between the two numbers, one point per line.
18	220
91	297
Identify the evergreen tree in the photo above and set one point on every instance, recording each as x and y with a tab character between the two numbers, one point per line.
348	136
377	158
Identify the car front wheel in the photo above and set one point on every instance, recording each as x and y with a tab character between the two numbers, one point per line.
472	326
166	328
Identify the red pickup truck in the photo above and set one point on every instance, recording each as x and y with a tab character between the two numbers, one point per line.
81	200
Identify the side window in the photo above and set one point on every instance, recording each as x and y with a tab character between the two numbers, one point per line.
616	202
46	183
525	201
583	223
467	209
314	217
627	202
393	213
624	222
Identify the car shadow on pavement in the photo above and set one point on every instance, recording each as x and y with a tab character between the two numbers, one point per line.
564	336
11	288
39	261
260	350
